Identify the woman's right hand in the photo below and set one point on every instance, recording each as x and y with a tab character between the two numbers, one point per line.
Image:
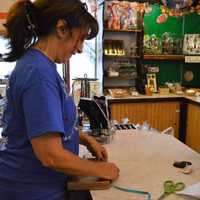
108	171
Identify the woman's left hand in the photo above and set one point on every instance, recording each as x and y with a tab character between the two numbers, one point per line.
94	147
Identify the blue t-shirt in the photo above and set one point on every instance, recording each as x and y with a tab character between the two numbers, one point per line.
37	103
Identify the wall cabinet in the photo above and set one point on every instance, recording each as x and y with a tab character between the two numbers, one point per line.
193	127
160	115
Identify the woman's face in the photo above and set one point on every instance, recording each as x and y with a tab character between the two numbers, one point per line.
70	45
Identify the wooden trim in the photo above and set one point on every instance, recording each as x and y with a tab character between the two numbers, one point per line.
193	126
183	120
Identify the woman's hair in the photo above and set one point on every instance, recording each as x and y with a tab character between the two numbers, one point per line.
27	21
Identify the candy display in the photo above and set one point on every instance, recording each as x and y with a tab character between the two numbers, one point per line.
114	48
152	44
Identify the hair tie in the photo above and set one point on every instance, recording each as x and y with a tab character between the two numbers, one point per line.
85	6
31	26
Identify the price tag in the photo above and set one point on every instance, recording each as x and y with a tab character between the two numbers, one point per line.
192	59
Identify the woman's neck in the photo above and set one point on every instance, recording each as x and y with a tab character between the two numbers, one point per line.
46	47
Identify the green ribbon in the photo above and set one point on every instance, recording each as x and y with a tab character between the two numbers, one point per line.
134	191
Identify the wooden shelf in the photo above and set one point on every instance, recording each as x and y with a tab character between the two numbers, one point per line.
126	57
131	31
164	57
117	86
119	78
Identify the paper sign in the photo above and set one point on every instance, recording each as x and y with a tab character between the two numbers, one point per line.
192	190
192	59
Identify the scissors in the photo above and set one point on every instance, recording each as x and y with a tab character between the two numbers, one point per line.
171	187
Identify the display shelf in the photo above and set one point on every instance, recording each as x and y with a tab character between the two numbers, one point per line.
125	57
117	86
130	31
164	57
119	78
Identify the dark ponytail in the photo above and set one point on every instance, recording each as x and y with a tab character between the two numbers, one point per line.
27	21
21	28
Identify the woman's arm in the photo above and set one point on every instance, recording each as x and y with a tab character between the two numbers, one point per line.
49	150
93	146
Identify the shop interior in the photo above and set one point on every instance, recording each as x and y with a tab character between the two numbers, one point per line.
140	74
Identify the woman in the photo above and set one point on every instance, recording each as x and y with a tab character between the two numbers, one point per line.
42	142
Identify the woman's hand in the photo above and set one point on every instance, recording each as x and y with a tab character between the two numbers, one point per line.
105	170
94	147
108	171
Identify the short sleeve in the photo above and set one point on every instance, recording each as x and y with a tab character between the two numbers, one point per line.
42	108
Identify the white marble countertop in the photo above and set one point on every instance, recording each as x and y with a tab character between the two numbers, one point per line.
146	162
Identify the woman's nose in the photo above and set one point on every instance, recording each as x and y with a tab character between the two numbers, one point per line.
80	47
79	50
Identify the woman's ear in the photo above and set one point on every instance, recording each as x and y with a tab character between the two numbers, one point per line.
61	28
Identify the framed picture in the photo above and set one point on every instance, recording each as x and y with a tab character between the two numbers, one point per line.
151	82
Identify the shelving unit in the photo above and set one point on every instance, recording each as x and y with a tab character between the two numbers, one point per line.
116	86
119	78
165	57
114	30
131	57
121	57
108	60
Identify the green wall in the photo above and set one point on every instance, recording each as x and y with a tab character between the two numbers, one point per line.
173	70
173	24
192	23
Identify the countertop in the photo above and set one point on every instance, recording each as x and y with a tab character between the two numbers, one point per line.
156	96
146	162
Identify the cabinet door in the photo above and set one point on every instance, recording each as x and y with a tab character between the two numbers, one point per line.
193	127
160	115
